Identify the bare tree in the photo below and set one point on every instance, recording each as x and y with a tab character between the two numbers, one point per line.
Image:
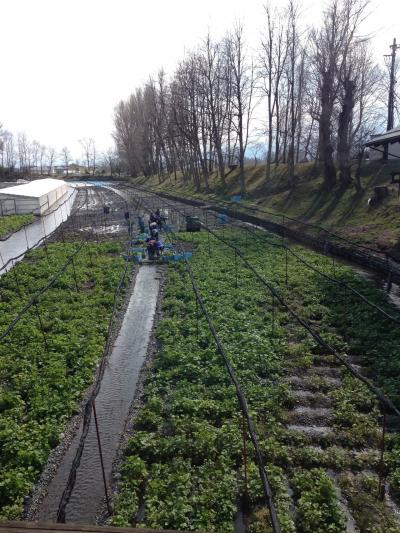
110	160
215	77
312	84
42	158
23	153
35	152
273	57
242	92
258	152
51	156
89	154
9	151
331	48
295	78
66	158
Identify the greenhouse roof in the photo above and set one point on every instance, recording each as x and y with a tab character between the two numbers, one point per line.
33	189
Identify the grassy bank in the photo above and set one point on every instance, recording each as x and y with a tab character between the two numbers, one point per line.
338	209
11	223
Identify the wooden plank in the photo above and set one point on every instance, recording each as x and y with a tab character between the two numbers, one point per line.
40	527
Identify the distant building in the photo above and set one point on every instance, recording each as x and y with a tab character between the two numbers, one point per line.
58	170
35	197
377	144
75	169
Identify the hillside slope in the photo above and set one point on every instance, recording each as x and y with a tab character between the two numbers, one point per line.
341	210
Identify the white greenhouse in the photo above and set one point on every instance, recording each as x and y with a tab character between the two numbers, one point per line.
35	197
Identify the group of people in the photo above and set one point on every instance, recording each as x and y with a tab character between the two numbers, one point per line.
156	218
155	245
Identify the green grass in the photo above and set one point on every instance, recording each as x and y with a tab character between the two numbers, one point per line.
11	223
338	209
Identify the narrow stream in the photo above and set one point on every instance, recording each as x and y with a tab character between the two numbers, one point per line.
43	226
112	405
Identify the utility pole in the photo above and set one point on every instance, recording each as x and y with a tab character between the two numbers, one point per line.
390	119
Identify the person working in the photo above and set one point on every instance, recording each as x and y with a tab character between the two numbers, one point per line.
141	224
159	247
151	247
159	219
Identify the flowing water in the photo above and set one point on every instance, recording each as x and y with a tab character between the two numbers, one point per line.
113	402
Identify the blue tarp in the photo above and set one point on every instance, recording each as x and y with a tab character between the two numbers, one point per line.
236	199
137	258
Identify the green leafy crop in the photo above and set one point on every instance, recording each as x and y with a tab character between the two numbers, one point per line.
43	373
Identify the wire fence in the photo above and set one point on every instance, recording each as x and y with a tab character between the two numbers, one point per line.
297	229
386	404
383	399
290	251
89	408
33	303
242	402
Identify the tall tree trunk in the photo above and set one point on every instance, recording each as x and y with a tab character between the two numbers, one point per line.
357	181
343	148
278	131
325	147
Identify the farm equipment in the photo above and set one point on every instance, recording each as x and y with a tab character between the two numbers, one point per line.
193	223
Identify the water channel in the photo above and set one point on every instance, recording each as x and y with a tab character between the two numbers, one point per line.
113	402
32	234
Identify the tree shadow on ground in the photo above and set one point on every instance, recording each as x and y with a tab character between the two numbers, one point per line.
353	202
320	200
358	197
332	205
289	200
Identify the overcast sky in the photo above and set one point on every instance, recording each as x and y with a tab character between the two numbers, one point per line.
65	64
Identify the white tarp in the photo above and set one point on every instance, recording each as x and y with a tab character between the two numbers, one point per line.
34	197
